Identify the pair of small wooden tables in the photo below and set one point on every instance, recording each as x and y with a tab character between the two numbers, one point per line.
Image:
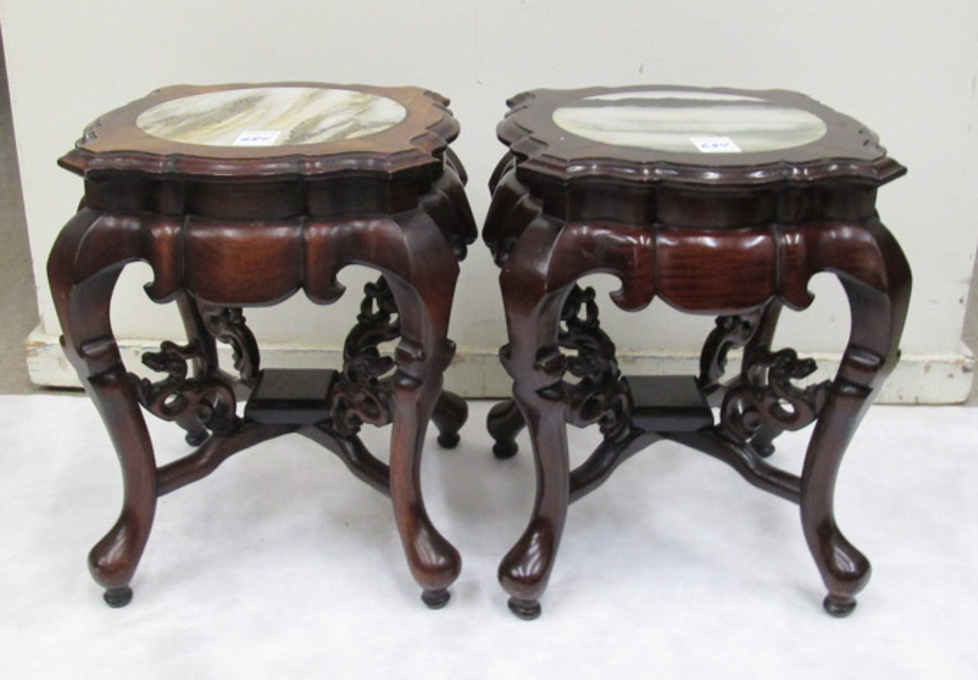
720	202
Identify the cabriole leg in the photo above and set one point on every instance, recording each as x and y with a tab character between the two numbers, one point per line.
525	570
877	323
423	353
82	299
534	361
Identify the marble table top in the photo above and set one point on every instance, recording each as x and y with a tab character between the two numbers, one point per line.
676	135
689	122
271	116
265	130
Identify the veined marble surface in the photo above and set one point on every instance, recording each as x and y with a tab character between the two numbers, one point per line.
271	116
686	95
690	122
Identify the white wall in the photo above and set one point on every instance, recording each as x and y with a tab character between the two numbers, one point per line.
907	69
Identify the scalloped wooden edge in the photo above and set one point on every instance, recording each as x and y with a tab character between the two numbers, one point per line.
547	162
113	143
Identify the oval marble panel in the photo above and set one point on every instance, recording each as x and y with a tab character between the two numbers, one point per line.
271	116
686	95
684	123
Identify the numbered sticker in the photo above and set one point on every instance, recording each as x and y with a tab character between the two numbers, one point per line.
257	137
715	144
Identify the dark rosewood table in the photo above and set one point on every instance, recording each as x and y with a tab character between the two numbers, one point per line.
720	202
241	195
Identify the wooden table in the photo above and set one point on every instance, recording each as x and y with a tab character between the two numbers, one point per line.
720	202
242	195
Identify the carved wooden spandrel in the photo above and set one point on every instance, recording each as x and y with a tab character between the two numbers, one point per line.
197	393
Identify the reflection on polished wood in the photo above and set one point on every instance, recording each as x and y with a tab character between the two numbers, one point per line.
226	227
737	235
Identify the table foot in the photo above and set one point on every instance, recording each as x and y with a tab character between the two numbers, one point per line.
525	609
449	415
448	440
839	607
117	597
525	570
196	438
436	598
504	450
505	421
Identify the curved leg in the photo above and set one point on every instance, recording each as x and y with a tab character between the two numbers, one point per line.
872	352
525	570
505	422
422	355
450	414
534	361
82	299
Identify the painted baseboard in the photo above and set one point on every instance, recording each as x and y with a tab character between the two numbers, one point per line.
476	372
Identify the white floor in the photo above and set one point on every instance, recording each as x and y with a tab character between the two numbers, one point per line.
282	565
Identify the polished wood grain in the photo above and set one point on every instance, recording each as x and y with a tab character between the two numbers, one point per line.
224	228
738	235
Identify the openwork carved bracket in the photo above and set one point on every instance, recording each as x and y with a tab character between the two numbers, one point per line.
769	398
203	400
197	404
600	396
731	332
363	392
227	324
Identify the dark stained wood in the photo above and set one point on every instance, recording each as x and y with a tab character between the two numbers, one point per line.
735	235
449	415
668	403
226	227
291	396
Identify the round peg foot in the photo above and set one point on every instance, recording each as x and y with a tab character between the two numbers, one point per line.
448	440
504	450
117	597
436	599
196	438
839	607
525	609
764	450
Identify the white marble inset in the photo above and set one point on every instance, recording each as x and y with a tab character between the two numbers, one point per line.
673	94
301	115
675	126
